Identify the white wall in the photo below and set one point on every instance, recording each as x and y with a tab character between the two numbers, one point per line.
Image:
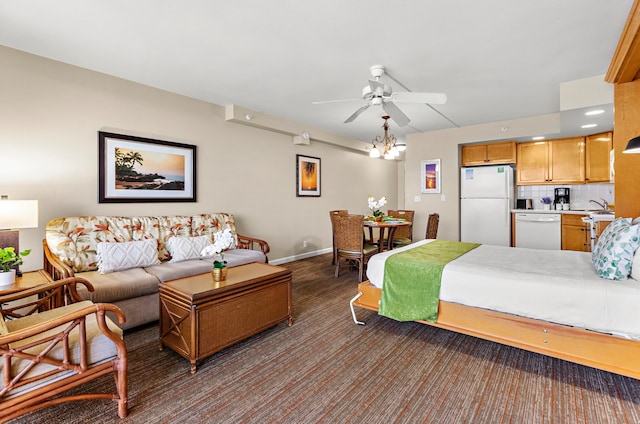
50	114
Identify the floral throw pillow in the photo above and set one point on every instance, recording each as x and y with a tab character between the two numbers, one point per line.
616	250
609	232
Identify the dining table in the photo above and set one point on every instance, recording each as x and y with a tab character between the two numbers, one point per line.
388	227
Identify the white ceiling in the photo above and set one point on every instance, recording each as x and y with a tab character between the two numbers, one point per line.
495	59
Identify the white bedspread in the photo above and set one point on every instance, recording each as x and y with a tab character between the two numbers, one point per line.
551	285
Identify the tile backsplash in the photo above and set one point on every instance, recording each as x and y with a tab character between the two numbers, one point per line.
580	194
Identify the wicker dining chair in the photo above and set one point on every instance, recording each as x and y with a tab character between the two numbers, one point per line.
403	235
350	242
333	233
432	226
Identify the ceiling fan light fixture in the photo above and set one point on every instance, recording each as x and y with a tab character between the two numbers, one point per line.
401	145
387	143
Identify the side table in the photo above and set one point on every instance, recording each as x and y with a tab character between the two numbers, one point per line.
28	280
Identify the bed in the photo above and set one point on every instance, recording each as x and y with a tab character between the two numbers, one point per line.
548	302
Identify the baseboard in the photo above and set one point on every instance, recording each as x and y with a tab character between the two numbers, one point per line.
300	256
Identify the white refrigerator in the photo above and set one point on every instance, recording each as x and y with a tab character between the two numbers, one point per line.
486	199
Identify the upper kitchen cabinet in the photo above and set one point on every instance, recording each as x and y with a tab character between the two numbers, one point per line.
559	161
598	150
489	154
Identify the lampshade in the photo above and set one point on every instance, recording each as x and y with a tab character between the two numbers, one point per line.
16	214
633	146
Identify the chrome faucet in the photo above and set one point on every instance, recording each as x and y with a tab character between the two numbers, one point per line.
604	205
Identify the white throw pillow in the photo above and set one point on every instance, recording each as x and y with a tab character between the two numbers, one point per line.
185	248
114	257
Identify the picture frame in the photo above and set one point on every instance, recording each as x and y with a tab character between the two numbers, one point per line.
143	170
308	181
430	176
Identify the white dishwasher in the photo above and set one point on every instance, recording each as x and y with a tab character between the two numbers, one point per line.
538	230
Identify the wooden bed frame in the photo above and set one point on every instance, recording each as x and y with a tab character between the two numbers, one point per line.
593	349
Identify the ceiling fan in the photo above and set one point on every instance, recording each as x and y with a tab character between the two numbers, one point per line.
379	94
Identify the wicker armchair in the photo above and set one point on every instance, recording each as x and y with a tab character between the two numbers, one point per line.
52	341
333	233
350	243
403	235
432	226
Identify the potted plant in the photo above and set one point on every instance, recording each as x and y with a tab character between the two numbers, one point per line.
8	260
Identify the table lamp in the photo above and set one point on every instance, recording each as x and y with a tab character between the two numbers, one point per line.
16	214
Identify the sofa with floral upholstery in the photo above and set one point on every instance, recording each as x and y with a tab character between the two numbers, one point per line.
125	258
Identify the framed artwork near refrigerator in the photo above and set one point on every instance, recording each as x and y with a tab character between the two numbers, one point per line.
430	176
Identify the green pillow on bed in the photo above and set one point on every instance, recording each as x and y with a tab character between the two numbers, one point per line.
613	253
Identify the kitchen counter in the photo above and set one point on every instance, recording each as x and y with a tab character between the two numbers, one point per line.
601	217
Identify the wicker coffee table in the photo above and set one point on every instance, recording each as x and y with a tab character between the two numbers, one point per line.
199	317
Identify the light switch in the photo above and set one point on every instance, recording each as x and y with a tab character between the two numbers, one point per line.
416	199
443	198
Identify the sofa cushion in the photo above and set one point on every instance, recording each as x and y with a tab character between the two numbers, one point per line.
185	248
114	257
209	224
75	239
161	228
119	285
235	257
168	271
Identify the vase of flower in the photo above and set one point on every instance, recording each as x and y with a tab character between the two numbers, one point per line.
219	274
375	207
222	240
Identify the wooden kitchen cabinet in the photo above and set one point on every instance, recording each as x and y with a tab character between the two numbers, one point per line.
598	148
532	166
489	154
576	234
559	161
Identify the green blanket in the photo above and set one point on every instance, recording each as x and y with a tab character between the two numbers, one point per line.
411	285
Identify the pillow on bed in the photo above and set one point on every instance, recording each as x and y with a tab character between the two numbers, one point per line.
616	249
114	257
635	266
185	248
610	231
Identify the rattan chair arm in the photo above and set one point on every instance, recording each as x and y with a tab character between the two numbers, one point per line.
97	308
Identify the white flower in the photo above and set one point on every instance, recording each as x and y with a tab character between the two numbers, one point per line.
375	206
222	240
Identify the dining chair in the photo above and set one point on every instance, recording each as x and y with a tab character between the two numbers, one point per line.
432	226
333	234
403	235
350	242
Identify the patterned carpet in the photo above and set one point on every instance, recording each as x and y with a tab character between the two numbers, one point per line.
326	369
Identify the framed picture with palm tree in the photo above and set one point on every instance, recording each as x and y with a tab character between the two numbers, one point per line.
307	176
136	169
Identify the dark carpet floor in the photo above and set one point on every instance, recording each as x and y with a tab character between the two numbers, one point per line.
327	369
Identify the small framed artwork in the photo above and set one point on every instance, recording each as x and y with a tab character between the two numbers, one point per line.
138	170
430	175
307	176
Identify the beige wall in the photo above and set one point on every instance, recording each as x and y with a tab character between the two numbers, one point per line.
50	114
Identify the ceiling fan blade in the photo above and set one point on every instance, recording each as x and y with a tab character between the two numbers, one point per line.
357	113
377	87
395	113
410	97
333	101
